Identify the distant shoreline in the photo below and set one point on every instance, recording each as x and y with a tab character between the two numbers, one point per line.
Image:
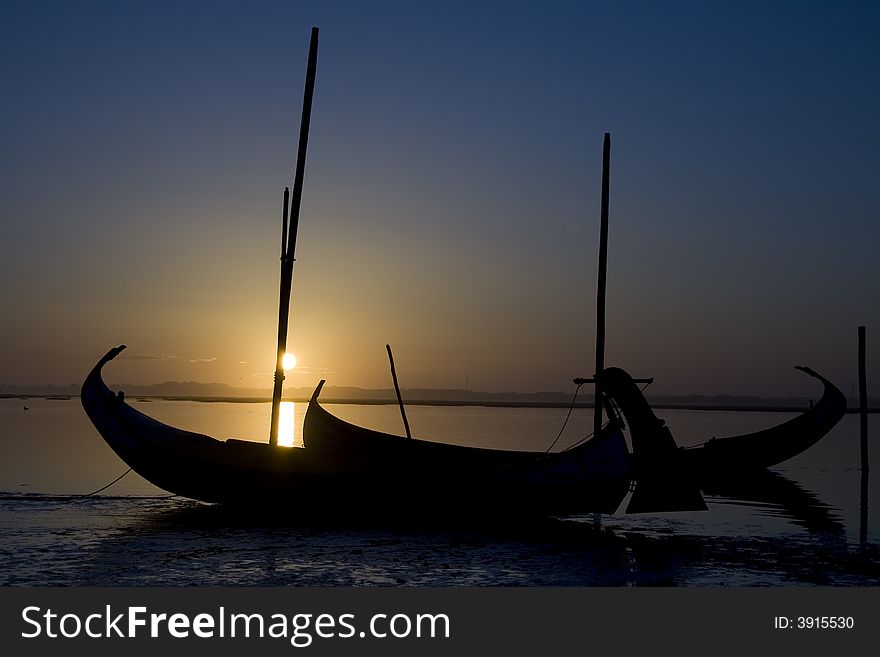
739	408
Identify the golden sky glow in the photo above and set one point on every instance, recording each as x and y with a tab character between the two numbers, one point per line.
451	196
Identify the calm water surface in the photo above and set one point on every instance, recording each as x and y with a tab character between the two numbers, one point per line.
802	526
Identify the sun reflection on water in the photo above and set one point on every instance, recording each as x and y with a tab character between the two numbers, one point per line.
285	424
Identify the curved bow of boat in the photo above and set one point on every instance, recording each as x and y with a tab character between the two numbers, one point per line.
98	401
94	392
758	450
160	453
769	447
123	427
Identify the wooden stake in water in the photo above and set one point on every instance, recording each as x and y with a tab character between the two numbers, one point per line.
863	400
600	293
863	433
288	240
397	390
283	313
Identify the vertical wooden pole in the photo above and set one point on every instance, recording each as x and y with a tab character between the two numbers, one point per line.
287	257
303	143
863	434
283	313
863	509
863	400
284	208
397	390
600	293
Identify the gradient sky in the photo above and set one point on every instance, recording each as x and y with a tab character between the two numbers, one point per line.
451	196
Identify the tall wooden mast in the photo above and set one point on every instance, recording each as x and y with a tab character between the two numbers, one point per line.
288	237
600	292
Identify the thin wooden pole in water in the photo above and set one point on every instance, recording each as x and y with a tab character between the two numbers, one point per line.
863	510
397	390
600	293
863	400
288	241
863	432
283	313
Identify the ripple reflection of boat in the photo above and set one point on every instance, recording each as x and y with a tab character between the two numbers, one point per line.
790	499
774	492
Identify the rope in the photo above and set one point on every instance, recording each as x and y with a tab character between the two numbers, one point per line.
565	423
43	497
585	438
94	492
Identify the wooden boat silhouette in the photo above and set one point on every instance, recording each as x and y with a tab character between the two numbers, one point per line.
653	446
344	466
593	477
667	478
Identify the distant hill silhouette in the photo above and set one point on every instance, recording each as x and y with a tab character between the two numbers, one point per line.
221	391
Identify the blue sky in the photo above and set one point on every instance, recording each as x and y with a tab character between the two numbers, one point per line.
451	198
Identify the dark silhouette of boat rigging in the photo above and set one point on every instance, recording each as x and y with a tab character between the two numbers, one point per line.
343	466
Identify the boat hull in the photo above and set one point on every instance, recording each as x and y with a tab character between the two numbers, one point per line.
591	478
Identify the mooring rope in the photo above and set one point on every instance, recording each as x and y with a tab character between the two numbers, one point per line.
95	492
37	497
565	423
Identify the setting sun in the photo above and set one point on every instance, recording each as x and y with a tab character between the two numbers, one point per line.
288	362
